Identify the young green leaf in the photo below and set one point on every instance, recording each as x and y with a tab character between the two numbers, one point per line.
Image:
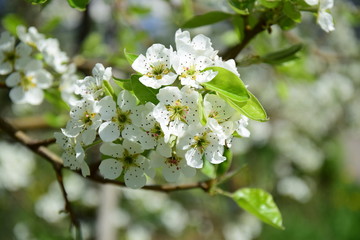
11	21
259	203
227	84
282	56
270	3
292	12
242	7
78	4
143	93
223	167
123	83
37	1
130	57
206	19
251	108
209	170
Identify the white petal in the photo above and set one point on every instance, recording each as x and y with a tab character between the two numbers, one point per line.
312	2
109	131
163	148
43	78
88	136
168	95
193	158
13	80
110	168
132	147
188	171
126	100
141	65
5	68
326	4
23	49
34	96
134	178
107	108
85	170
171	173
72	128
112	149
325	21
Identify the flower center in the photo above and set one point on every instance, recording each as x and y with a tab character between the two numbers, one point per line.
155	131
178	111
87	119
200	143
129	159
158	71
27	82
190	72
122	118
173	161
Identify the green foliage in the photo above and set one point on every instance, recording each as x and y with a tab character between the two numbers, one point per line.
143	93
223	167
292	11
282	56
130	57
270	3
242	7
206	19
227	84
37	1
11	21
78	4
259	203
123	83
251	108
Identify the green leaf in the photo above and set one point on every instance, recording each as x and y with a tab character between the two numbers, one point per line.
142	92
209	169
123	83
286	23
270	3
239	27
259	203
50	25
37	1
242	7
282	56
223	167
292	11
53	96
109	90
251	109
11	22
227	84
206	19
78	4
130	57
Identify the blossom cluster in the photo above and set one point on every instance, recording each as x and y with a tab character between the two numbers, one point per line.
324	18
33	63
186	125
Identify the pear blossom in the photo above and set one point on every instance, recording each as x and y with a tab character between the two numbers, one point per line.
92	86
84	122
241	125
155	67
125	158
29	36
67	86
10	57
324	19
74	153
176	110
27	84
123	116
200	142
172	165
52	54
220	117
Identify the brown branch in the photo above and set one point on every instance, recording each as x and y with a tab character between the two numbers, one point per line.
29	123
57	162
3	85
68	208
250	33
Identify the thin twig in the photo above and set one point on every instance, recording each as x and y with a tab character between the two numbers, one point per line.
250	33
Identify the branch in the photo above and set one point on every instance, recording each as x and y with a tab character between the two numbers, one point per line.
57	162
250	33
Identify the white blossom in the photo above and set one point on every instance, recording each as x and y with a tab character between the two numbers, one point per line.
27	84
324	19
52	54
67	86
92	86
31	36
10	57
176	110
121	117
155	67
74	153
172	165
125	158
85	120
200	142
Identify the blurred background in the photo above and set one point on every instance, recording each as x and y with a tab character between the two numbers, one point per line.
307	155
